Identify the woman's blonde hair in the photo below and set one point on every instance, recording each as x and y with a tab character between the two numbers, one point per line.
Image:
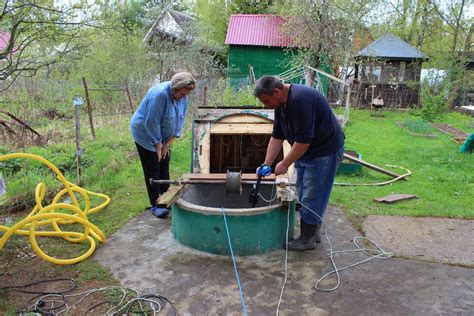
183	80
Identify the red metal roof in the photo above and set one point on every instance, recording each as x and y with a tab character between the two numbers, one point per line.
257	30
4	38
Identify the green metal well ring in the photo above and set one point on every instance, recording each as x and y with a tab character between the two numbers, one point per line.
198	221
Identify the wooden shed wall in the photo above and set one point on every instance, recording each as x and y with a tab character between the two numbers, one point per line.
265	61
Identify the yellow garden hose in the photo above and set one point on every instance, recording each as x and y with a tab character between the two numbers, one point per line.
42	216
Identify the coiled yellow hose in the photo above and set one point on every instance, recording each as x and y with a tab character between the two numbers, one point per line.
42	216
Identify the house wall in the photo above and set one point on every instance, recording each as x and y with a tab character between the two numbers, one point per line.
265	61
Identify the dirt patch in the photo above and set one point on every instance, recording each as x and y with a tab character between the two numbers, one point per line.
433	239
19	266
448	129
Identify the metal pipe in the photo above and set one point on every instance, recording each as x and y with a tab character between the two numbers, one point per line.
179	182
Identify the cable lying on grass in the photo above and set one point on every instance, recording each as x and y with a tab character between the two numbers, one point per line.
121	300
403	176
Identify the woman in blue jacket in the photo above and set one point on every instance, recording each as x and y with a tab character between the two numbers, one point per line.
157	122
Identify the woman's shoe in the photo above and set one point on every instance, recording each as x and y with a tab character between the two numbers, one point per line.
159	212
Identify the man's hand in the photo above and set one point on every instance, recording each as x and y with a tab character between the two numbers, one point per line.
263	171
281	168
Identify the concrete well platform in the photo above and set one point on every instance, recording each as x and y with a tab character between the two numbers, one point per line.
144	255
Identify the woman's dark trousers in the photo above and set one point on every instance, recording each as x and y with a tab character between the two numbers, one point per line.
157	170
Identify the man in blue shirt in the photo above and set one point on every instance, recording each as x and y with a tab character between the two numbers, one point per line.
304	118
157	122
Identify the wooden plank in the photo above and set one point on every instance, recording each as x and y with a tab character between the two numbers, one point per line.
169	197
242	129
371	166
392	198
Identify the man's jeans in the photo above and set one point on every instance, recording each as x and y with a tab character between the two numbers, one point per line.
314	180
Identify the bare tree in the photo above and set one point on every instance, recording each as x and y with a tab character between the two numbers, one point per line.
324	28
37	34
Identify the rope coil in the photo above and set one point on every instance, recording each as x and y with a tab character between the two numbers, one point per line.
42	216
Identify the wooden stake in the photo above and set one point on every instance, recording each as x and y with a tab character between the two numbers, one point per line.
89	108
129	97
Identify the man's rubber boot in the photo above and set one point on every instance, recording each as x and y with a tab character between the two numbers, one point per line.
307	240
317	236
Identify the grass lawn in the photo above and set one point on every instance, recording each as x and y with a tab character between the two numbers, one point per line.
442	178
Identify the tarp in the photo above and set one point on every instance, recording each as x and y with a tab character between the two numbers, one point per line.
468	146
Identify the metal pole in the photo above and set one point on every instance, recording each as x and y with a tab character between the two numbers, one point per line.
179	182
78	102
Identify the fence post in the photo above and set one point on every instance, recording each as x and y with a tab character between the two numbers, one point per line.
89	108
78	102
205	96
129	97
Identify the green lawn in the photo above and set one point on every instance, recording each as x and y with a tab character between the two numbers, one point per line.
442	178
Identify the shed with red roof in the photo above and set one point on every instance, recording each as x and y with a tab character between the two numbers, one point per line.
257	40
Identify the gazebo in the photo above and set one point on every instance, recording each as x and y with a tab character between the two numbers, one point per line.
387	72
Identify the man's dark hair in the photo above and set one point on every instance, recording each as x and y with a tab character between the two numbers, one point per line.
266	85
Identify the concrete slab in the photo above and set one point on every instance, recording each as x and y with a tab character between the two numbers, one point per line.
144	256
425	238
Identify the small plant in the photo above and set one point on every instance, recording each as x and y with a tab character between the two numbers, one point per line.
418	126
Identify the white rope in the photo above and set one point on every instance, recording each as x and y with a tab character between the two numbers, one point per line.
286	260
374	253
380	253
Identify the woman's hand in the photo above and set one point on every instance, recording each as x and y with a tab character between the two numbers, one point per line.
159	151
166	148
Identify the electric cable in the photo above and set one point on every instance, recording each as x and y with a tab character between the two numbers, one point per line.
20	288
53	215
374	253
57	302
408	173
235	265
285	280
380	253
273	194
